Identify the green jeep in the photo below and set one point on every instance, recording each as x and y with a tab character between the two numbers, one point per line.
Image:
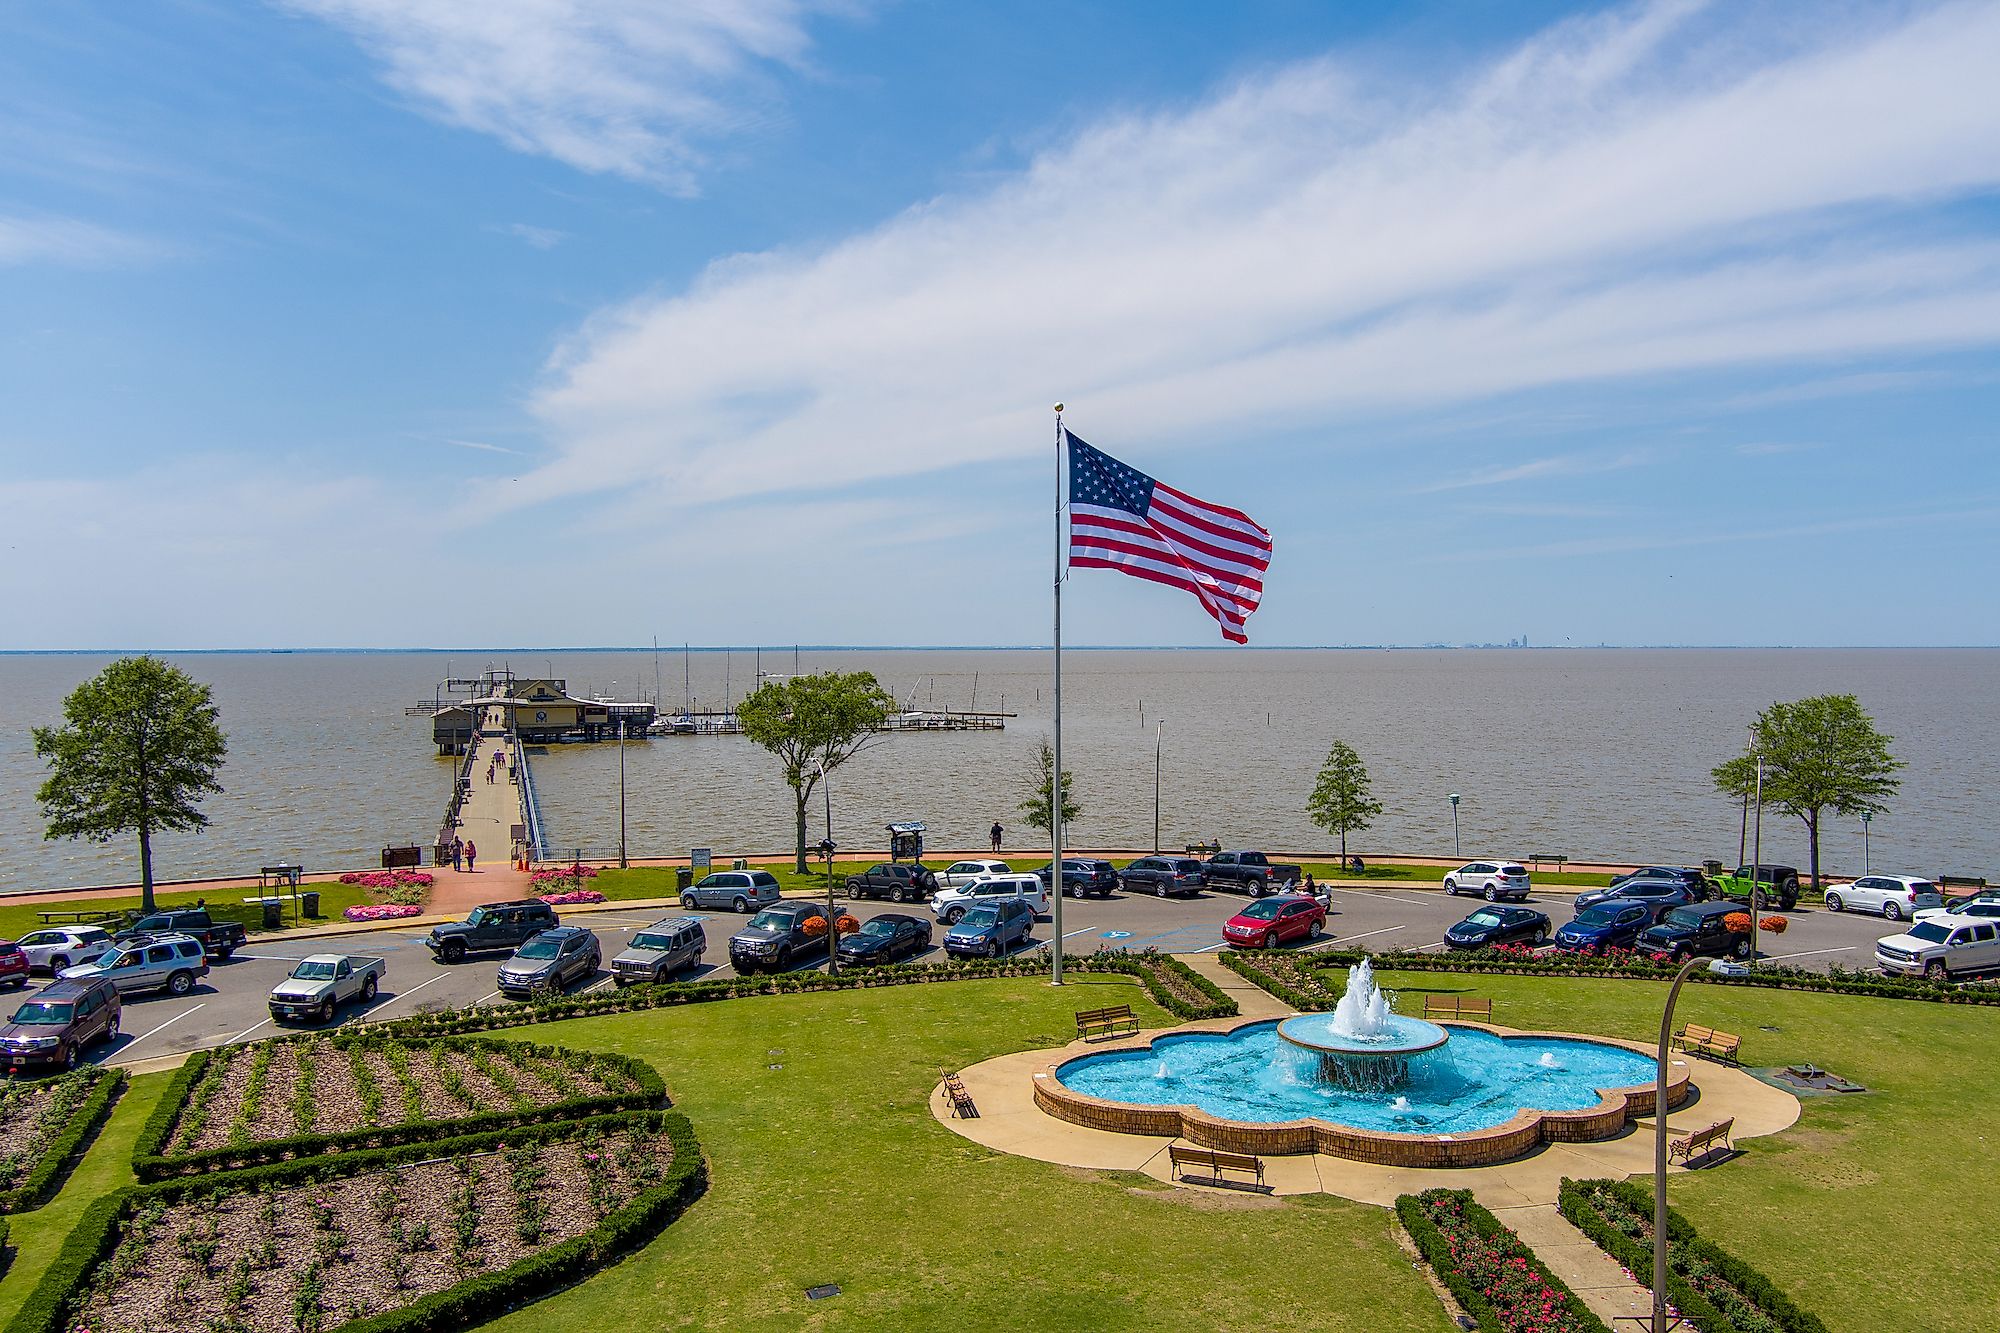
1770	886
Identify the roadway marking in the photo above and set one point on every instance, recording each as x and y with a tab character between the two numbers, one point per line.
1085	931
1350	938
244	1033
484	998
1808	953
595	985
401	993
1380	893
169	1023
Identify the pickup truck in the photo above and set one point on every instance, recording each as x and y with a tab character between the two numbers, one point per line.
1251	872
218	939
322	983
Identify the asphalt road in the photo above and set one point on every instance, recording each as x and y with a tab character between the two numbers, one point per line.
229	1005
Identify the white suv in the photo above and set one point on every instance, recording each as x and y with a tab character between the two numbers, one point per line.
961	873
1896	897
951	905
1941	946
1494	880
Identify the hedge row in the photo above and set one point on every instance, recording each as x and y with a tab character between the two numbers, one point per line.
1146	966
1264	969
150	1162
1758	1305
96	1234
1414	1212
66	1145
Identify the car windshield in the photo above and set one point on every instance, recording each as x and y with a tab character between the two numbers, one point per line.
539	947
477	918
771	921
646	939
312	971
119	958
1262	910
40	1012
879	926
1603	914
1930	931
1686	916
1484	919
982	916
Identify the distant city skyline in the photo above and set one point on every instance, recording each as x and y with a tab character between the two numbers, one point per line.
358	323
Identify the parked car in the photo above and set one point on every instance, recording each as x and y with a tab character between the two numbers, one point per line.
903	884
1662	894
491	926
1500	925
779	936
738	890
1614	924
1691	879
54	948
960	873
1896	897
51	1028
1496	881
219	939
660	950
1941	946
951	905
1164	876
1985	908
550	961
1269	922
992	929
1780	883
1249	872
172	963
1082	877
322	982
1696	928
14	966
884	939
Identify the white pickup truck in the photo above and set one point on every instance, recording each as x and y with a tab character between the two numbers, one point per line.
1942	946
322	983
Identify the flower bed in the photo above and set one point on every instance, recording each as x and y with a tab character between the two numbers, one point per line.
1485	1266
411	1239
402	887
381	911
1713	1289
296	1097
572	896
1284	976
565	879
44	1125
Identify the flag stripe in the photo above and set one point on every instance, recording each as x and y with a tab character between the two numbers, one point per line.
1232	625
1244	602
1116	521
1166	506
1226	546
1238	588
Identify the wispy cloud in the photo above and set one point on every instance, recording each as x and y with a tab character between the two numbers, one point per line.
483	446
1841	386
542	238
1654	538
59	240
1772	448
1642	194
626	87
1562	465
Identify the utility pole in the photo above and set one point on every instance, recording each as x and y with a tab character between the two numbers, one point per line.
1757	863
1157	735
1454	827
622	863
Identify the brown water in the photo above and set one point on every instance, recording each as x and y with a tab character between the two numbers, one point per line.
1592	753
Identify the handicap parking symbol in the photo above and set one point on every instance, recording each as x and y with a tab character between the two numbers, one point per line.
1116	935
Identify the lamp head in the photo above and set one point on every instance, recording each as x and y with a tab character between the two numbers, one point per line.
1454	798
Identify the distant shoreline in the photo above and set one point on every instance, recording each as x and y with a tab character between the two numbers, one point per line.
1043	648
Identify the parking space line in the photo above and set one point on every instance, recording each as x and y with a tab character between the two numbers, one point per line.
1085	931
401	993
1351	938
599	984
1808	953
169	1023
245	1032
1377	893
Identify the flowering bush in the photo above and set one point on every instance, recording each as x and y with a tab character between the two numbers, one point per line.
572	896
381	911
1485	1264
1777	925
565	879
388	879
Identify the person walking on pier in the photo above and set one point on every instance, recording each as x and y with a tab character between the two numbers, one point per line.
471	851
457	852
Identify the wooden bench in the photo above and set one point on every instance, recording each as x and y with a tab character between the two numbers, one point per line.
962	1106
1707	1041
283	874
1458	1006
80	915
1538	857
1204	849
1214	1162
1113	1020
1699	1143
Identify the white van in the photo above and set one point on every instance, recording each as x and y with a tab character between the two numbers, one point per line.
1941	946
951	905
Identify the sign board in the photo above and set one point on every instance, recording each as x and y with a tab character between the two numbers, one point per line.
700	857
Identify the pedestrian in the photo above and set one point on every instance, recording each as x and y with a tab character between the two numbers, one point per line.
997	831
471	851
457	852
1310	887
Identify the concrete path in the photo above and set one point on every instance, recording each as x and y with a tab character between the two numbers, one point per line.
1252	1000
1592	1274
486	820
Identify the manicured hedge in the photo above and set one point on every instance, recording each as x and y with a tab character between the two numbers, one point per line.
66	1145
1414	1212
477	1299
150	1163
1696	1268
1263	969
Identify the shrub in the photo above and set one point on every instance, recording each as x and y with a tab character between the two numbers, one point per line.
1485	1266
97	1089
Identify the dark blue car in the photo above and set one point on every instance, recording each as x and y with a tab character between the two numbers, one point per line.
1613	924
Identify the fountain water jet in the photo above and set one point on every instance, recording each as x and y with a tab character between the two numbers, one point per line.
1363	1045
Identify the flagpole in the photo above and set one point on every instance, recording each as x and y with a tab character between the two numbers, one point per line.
1055	777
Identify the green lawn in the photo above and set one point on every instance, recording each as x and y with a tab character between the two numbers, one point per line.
16	919
1866	1209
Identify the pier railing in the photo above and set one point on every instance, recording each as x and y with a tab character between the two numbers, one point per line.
531	805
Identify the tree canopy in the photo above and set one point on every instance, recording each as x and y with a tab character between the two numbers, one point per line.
1342	800
1820	754
1041	781
814	724
138	748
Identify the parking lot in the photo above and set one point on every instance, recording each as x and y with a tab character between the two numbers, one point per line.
229	1004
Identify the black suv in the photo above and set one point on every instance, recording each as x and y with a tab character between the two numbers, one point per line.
779	936
1082	877
1696	928
1659	894
491	926
1163	875
50	1029
904	884
1692	880
218	939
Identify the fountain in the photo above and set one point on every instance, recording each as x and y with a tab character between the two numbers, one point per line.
1364	1045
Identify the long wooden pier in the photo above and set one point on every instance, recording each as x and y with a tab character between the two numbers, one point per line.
494	805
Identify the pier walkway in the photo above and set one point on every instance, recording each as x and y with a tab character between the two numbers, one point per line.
486	819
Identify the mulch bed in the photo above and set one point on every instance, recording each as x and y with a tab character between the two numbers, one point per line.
31	1114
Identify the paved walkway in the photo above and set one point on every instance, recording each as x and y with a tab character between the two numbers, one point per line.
1252	1000
486	820
1588	1271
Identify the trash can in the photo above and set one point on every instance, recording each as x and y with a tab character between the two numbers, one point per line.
274	914
683	878
309	902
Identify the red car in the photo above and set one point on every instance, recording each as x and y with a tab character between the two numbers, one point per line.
1269	922
13	964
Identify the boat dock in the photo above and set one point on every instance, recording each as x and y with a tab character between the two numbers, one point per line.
534	711
724	722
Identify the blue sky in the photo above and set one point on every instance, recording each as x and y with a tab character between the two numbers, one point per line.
439	322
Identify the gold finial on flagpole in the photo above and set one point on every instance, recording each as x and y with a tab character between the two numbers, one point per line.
1059	407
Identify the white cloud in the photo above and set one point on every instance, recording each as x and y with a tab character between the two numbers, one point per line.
1541	469
625	87
58	240
541	238
1641	194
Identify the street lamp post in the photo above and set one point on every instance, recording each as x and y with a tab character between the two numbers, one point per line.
1867	863
1454	827
1157	735
1757	863
621	794
1660	1324
825	849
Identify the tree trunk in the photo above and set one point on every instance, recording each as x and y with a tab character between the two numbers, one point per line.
1343	849
1812	841
800	796
145	870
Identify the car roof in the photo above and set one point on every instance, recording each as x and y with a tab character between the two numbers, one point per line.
68	989
1720	907
160	937
515	902
670	924
562	930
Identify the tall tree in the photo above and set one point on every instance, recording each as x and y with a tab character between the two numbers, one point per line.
814	724
1820	754
1342	801
138	748
1041	781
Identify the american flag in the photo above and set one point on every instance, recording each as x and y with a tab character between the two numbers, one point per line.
1122	519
